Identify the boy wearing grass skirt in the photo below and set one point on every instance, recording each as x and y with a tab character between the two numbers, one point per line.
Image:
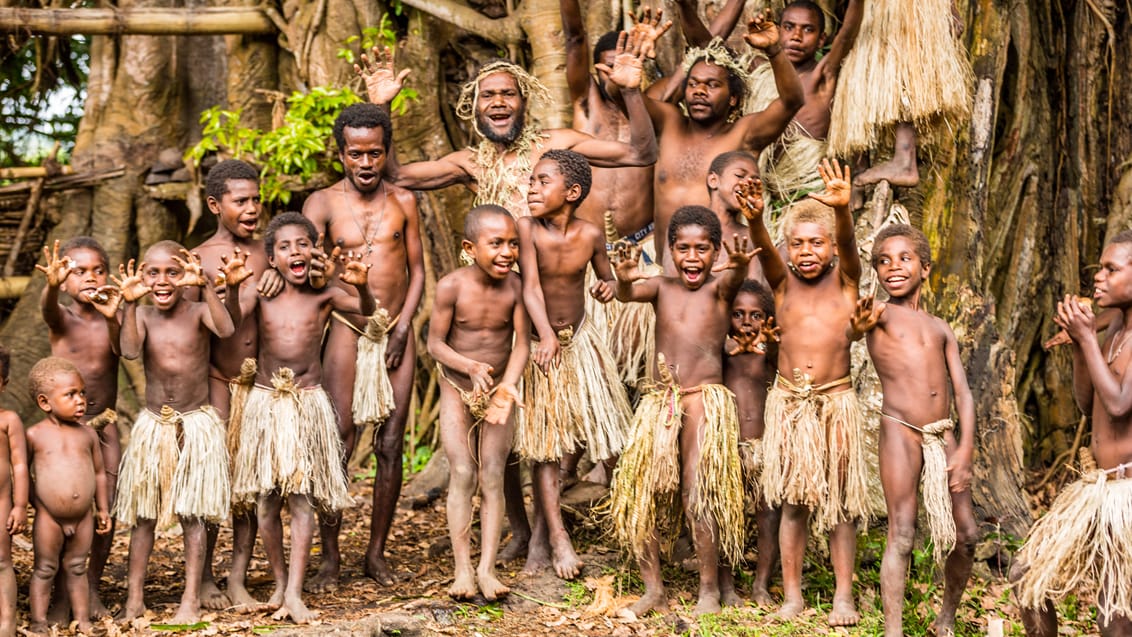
177	460
571	383
288	445
1084	542
916	357
683	441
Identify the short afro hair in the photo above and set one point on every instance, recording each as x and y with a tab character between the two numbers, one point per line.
607	42
169	246
736	87
286	219
914	236
813	7
5	363
761	292
695	216
216	184
473	221
574	168
809	211
363	115
1124	236
84	242
723	160
43	373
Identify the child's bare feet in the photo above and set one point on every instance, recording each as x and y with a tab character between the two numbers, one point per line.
38	628
98	610
707	603
943	626
894	171
464	585
326	580
294	608
844	612
211	597
490	586
761	596
515	549
84	627
655	601
566	562
790	608
242	601
188	613
378	570
133	610
538	558
276	599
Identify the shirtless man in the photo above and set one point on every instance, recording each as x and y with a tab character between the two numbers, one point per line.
498	103
365	215
713	91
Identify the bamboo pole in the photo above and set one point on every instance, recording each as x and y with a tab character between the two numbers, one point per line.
33	172
136	21
11	287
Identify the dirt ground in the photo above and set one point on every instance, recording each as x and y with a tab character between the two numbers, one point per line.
540	605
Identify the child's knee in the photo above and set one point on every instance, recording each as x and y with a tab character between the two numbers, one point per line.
75	566
491	480
45	569
462	476
966	536
901	537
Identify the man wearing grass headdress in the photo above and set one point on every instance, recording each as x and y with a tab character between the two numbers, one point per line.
499	103
709	124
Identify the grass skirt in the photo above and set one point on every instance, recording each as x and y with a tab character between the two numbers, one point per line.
373	392
906	66
645	497
289	443
814	454
580	401
751	462
175	464
632	332
1083	544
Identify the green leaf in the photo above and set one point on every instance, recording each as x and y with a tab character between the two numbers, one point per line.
178	628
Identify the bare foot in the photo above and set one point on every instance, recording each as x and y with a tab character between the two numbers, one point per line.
490	586
943	627
294	608
761	596
188	613
515	549
896	173
844	613
707	604
276	599
790	609
464	586
59	613
650	602
538	559
378	570
38	628
98	610
730	598
243	602
566	562
83	627
133	610
325	581
211	597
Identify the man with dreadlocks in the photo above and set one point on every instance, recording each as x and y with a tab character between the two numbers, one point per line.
708	126
498	103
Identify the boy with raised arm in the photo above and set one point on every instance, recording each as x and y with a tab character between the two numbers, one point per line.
66	465
232	192
480	338
1084	541
684	441
916	357
288	446
13	499
814	447
748	367
571	381
177	460
85	332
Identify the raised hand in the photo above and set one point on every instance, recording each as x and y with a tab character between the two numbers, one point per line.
627	63
746	342
866	315
1076	318
626	258
233	270
749	194
322	265
382	81
770	332
129	281
649	27
738	255
193	272
106	300
503	400
354	271
837	184
762	32
57	269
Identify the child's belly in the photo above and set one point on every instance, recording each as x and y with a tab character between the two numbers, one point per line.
66	503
